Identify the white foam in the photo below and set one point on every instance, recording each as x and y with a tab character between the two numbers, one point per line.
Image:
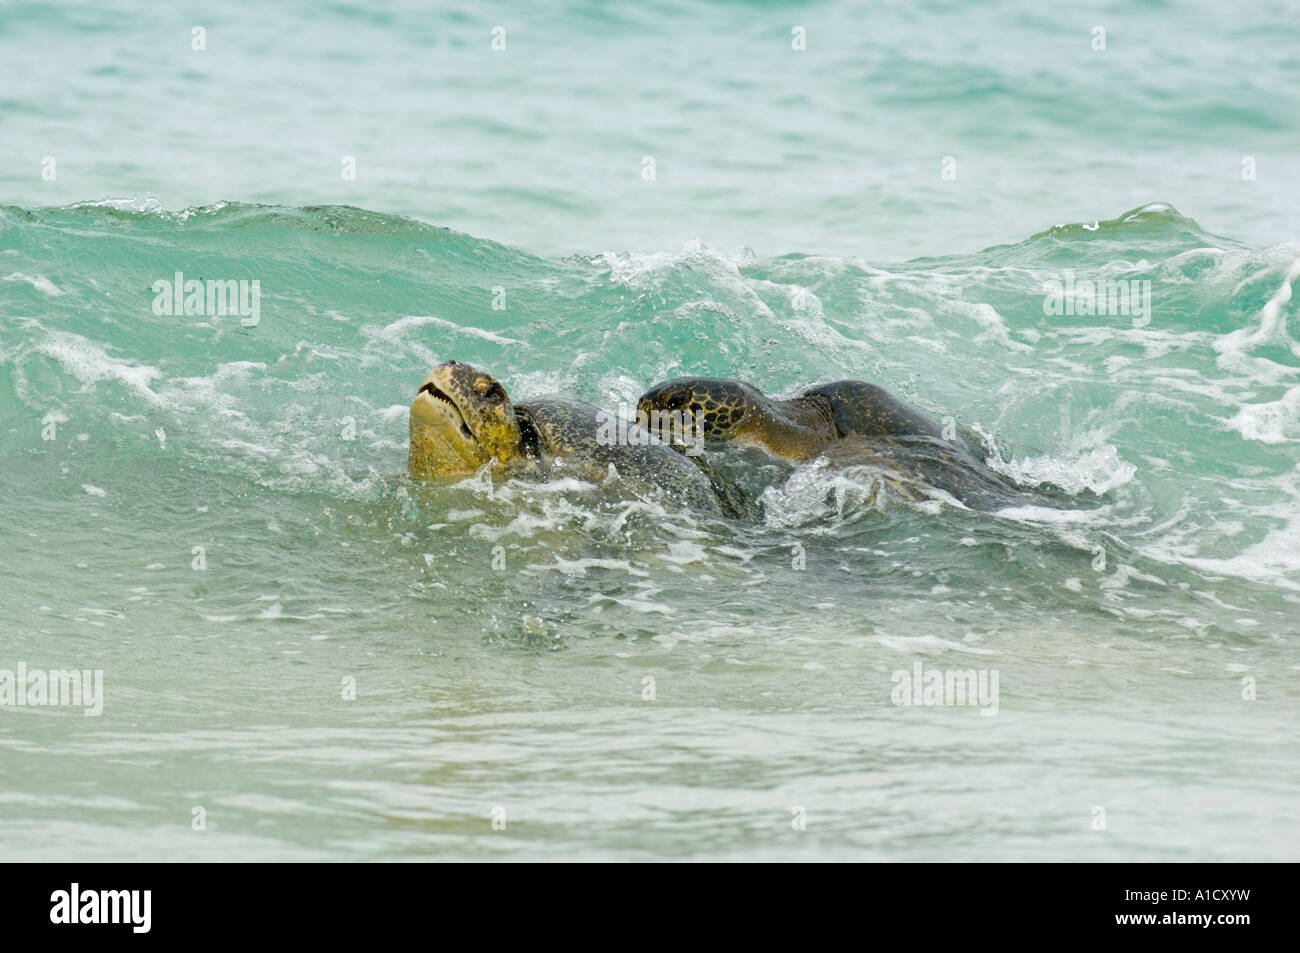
1099	469
987	317
643	604
39	282
1272	321
1276	421
1275	559
685	552
134	203
815	490
927	645
579	567
643	270
212	392
90	363
457	516
398	329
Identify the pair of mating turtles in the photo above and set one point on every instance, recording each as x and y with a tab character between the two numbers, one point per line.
462	420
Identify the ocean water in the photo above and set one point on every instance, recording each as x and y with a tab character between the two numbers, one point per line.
306	655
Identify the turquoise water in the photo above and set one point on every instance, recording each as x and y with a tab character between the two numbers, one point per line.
635	682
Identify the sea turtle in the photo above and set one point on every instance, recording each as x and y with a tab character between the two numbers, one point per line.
462	420
847	421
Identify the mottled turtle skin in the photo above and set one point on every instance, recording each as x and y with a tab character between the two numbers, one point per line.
462	420
847	421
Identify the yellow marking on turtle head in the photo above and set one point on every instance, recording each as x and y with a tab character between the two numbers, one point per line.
461	419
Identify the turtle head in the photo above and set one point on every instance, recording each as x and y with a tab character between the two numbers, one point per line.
461	419
719	410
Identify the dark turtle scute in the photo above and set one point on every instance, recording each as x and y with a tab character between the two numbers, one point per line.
866	410
570	431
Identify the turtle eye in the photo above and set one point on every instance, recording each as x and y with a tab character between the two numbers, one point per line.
492	392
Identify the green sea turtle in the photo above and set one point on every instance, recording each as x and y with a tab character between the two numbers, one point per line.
847	421
462	420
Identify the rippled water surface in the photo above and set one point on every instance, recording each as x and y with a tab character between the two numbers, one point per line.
217	515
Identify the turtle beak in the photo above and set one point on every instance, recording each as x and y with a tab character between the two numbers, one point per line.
435	407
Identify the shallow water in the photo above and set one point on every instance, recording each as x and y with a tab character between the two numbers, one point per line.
636	682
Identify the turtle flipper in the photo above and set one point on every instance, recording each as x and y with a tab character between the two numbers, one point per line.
735	503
